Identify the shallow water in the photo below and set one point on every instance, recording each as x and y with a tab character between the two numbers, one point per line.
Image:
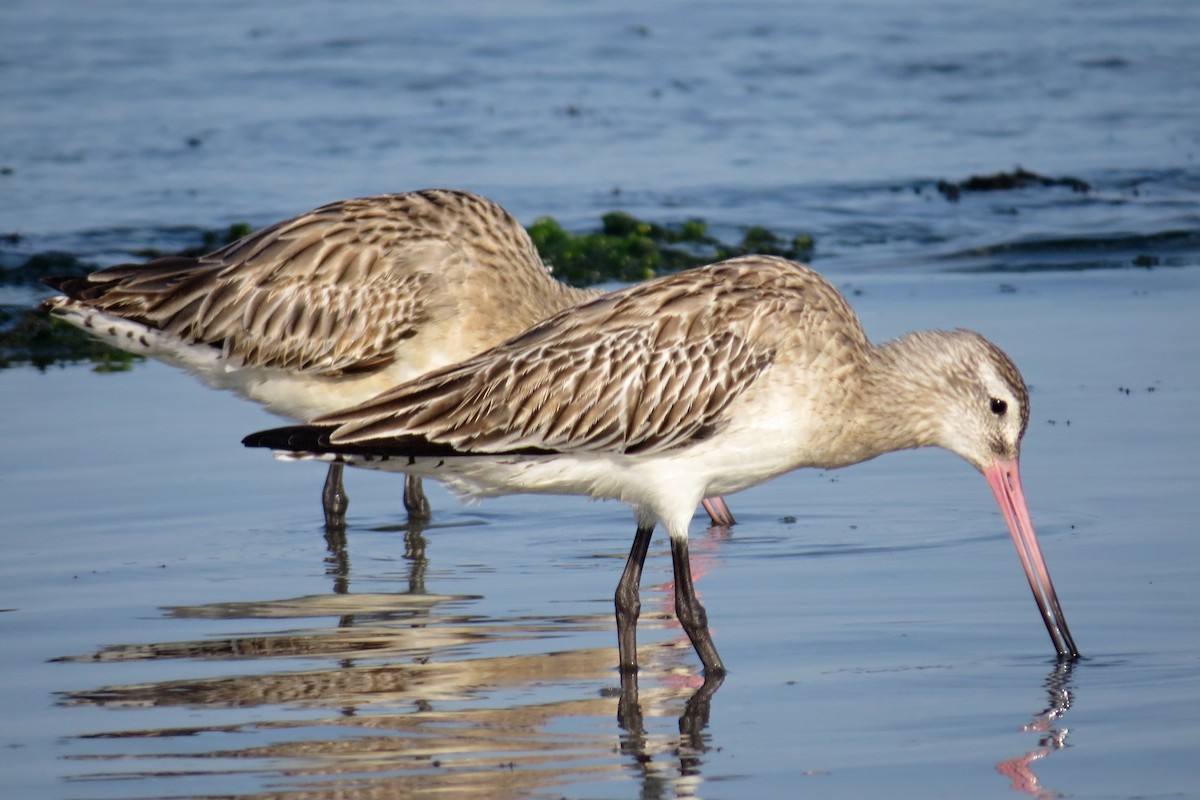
180	626
177	623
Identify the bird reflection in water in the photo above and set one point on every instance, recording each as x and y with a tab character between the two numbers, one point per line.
1051	737
337	561
407	705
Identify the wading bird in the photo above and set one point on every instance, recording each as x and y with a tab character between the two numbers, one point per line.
327	309
699	383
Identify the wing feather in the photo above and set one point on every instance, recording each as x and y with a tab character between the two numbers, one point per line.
644	370
333	290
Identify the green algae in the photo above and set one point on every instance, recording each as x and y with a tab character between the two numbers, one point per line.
627	249
30	336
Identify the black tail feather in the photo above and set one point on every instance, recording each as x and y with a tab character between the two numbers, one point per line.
70	285
315	439
295	438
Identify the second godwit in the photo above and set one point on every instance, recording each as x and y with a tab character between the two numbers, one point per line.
699	383
331	307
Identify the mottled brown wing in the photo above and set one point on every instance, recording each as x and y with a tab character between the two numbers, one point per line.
334	290
643	370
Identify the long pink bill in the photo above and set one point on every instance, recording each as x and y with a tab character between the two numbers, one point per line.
1005	479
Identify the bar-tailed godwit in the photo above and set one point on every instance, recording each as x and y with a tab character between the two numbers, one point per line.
331	307
700	383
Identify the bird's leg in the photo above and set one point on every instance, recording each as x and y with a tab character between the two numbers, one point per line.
334	499
691	614
718	511
627	601
415	501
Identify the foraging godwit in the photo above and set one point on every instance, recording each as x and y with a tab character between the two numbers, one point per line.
698	383
329	308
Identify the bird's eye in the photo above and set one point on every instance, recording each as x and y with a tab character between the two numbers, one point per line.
999	407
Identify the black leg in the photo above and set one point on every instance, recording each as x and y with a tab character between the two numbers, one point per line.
415	501
627	601
334	499
691	614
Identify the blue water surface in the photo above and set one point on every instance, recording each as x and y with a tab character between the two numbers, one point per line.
177	623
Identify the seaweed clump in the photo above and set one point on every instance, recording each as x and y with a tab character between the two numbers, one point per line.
39	265
1019	178
628	249
31	336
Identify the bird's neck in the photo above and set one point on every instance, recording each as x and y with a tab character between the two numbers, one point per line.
897	401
